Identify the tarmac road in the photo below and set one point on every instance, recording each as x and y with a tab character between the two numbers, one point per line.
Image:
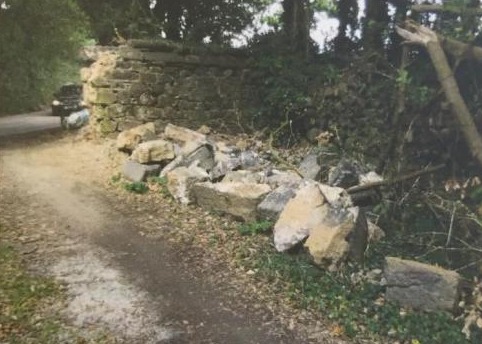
28	123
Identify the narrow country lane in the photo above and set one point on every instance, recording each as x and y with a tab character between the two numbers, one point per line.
136	286
28	123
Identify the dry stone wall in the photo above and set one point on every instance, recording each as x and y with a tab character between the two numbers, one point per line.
140	83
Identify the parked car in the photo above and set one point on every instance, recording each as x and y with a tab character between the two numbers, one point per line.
67	99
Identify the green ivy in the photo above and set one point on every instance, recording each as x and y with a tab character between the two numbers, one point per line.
353	307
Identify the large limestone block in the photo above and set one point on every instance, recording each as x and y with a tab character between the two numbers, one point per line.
154	151
129	139
421	286
181	180
138	172
375	233
197	155
202	156
243	176
340	235
300	215
237	199
274	203
104	96
278	178
335	196
181	134
345	174
224	163
310	168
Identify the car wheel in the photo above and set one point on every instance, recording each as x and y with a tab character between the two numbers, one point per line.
56	111
63	122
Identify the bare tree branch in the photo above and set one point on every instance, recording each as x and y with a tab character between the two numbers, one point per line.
434	8
461	50
417	34
457	49
359	188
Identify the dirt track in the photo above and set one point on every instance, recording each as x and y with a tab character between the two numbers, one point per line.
137	286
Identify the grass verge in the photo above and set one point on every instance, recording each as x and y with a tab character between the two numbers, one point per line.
30	305
24	302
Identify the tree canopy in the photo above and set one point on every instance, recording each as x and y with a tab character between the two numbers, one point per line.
188	20
46	43
38	39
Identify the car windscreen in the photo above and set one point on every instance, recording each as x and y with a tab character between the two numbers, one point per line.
70	90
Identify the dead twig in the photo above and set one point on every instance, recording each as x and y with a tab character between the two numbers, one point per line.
451	227
463	242
404	198
275	154
388	182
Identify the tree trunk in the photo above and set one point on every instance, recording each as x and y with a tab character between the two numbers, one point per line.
397	117
347	11
395	51
296	24
417	34
471	22
170	13
375	23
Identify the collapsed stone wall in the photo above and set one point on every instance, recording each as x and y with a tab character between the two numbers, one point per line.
248	184
139	83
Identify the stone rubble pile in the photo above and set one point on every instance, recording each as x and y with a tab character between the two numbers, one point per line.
242	182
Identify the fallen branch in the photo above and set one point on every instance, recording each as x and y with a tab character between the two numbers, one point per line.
387	182
434	8
460	50
417	34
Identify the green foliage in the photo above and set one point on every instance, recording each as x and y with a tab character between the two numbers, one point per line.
158	180
39	42
154	184
255	228
420	95
159	184
131	18
354	307
136	187
285	85
21	297
403	77
218	20
116	178
475	195
196	21
458	21
328	6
